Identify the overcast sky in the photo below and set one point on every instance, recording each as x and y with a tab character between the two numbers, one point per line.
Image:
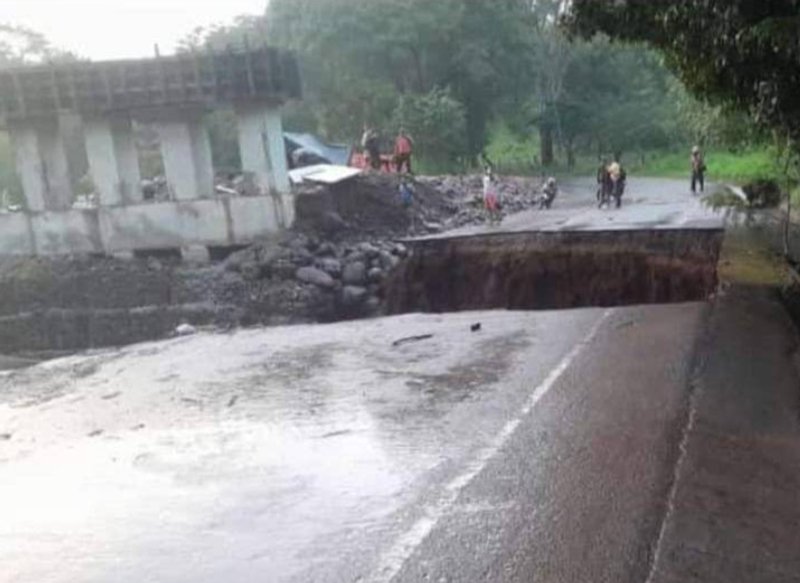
107	29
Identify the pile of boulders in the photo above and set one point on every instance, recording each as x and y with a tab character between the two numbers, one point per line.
517	194
320	280
327	270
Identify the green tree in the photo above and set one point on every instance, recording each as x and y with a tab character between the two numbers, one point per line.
743	53
20	45
436	121
739	53
477	50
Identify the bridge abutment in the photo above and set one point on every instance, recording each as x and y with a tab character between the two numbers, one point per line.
173	95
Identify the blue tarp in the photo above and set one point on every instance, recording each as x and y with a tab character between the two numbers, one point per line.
337	154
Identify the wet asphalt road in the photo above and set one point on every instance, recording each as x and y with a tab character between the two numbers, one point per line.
649	203
541	448
578	491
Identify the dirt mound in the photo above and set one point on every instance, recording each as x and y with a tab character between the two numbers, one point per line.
370	205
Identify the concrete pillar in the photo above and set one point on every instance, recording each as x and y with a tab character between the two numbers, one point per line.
42	165
113	160
263	152
186	149
29	164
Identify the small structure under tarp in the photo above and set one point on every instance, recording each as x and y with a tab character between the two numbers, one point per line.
323	174
308	150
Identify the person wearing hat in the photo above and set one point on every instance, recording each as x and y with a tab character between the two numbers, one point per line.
549	193
698	170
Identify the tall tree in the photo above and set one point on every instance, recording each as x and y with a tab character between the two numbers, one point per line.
743	53
740	52
477	50
20	46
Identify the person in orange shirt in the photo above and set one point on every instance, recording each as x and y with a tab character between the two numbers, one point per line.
403	150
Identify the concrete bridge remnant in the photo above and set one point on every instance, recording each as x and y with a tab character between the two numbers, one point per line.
172	94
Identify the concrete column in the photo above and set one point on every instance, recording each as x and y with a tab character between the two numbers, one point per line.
25	142
113	160
42	165
186	149
263	152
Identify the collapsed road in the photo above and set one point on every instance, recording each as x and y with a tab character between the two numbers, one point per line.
473	446
661	247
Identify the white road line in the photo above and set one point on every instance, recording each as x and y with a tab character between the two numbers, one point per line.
393	560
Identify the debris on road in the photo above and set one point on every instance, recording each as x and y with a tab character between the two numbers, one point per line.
185	330
412	339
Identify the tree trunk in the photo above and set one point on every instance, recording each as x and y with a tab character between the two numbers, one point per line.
787	226
570	155
546	139
421	86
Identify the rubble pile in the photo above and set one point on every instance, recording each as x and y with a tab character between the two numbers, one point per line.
344	246
305	279
333	265
516	195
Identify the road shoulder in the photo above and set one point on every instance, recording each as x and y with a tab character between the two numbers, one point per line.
735	506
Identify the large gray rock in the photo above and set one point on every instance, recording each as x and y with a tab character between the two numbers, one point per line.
388	261
354	273
331	266
302	257
375	275
326	249
369	249
400	250
315	276
353	295
356	257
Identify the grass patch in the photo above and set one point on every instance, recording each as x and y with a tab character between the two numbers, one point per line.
747	260
723	166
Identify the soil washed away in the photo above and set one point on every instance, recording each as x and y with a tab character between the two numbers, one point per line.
542	271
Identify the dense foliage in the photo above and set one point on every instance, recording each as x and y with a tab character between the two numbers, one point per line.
451	69
743	53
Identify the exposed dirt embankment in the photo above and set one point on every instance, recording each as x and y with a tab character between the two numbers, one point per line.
65	304
331	266
529	271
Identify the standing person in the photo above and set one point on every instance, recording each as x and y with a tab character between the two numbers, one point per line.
698	170
406	191
370	142
549	193
484	159
403	150
617	179
490	199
